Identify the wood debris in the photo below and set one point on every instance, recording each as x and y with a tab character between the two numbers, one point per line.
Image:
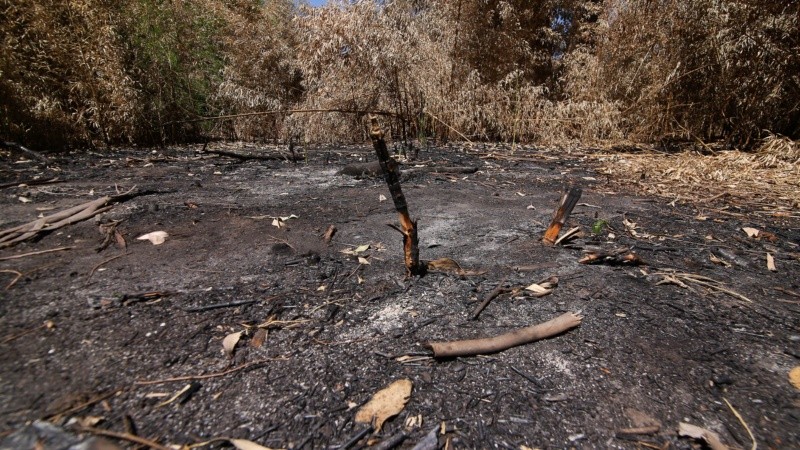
679	278
496	344
623	257
11	236
568	202
409	226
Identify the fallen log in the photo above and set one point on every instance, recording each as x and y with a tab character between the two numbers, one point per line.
442	170
52	222
496	344
568	202
247	156
27	151
31	183
392	177
362	170
42	225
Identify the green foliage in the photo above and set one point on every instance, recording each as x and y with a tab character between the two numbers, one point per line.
176	61
598	226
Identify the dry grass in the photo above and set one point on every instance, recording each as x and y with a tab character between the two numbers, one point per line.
769	178
553	72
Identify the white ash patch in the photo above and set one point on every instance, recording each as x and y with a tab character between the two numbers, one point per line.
556	361
388	318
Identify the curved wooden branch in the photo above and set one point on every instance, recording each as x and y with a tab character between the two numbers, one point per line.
496	344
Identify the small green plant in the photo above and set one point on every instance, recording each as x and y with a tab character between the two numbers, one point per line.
598	226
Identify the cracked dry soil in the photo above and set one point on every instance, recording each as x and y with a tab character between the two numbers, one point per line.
339	330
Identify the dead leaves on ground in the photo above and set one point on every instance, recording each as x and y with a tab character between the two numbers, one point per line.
243	444
709	437
543	287
794	377
385	404
280	222
111	234
155	237
449	265
623	257
755	233
360	253
230	341
259	333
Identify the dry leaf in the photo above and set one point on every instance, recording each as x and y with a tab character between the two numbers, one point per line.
543	287
121	243
538	289
718	261
771	263
230	341
24	199
628	224
329	233
90	421
386	403
156	237
382	198
361	249
751	232
693	431
362	260
259	338
794	377
568	235
277	223
472	272
243	444
413	422
444	265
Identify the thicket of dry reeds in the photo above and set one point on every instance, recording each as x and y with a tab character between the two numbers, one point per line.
545	71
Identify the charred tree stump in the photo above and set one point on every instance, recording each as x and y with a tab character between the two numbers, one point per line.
392	177
568	202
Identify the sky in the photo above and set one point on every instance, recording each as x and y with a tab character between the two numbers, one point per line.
317	2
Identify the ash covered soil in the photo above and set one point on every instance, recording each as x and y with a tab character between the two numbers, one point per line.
83	330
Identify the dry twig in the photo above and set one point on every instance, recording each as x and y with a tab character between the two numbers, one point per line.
207	376
489	297
40	252
744	424
16	278
678	278
125	437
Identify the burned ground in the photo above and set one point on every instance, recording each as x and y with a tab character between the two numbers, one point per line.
338	329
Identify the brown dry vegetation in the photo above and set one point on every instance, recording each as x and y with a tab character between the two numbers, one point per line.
547	71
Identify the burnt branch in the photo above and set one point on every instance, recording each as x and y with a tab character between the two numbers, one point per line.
392	177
